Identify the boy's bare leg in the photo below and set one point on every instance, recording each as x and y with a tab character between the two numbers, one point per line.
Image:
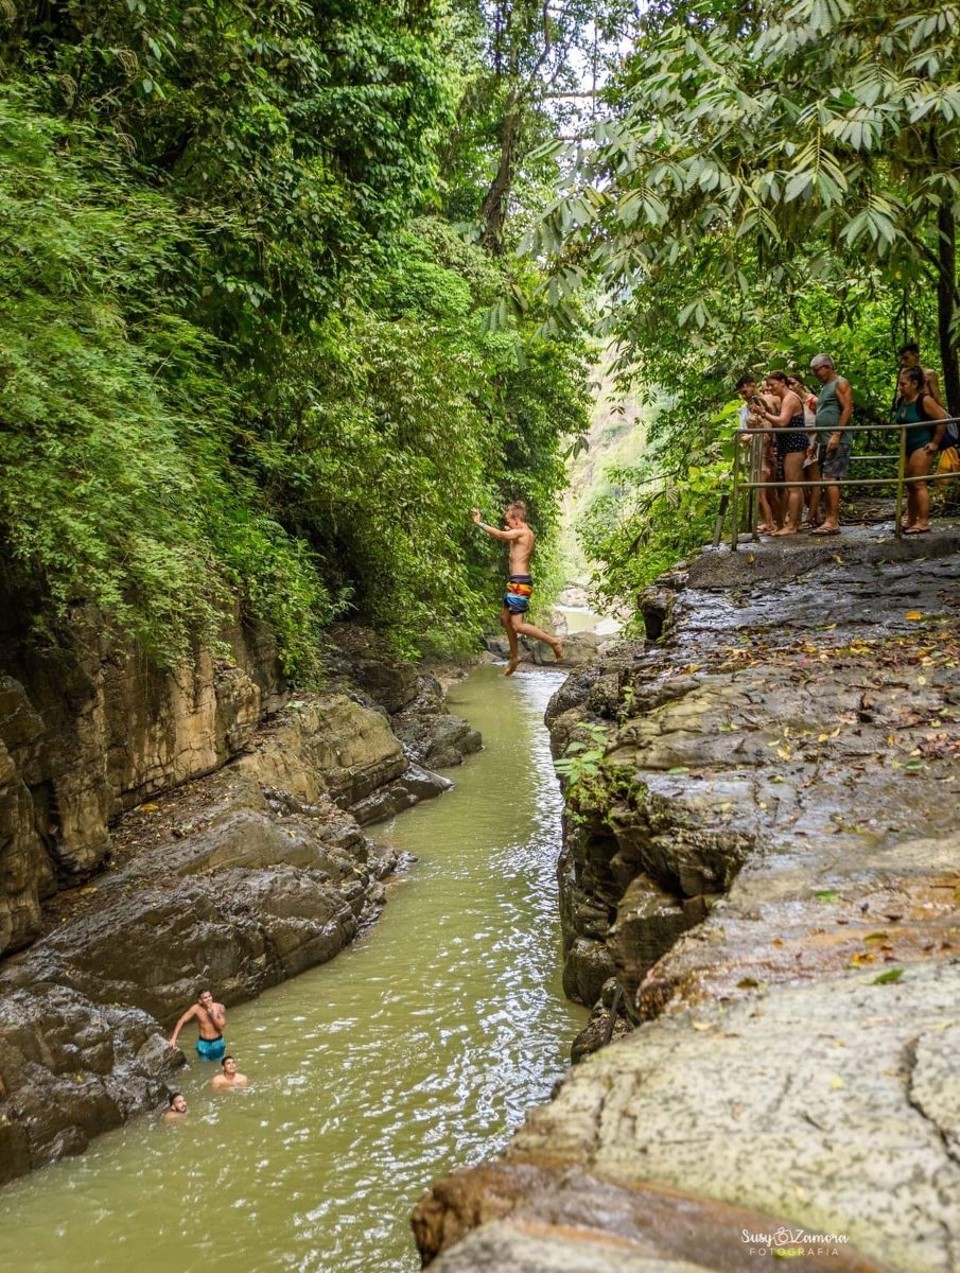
506	618
538	634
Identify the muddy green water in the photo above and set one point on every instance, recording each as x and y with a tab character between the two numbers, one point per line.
414	1052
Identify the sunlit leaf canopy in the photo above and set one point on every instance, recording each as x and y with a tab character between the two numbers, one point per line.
811	138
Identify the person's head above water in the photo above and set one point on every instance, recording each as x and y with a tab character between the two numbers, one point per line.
178	1103
229	1065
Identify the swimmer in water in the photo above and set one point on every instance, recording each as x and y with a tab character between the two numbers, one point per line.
176	1111
230	1078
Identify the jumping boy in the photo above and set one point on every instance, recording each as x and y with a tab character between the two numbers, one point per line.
516	601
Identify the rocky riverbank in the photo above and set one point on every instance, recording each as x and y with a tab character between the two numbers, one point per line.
762	865
239	878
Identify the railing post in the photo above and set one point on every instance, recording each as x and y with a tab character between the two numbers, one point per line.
736	495
901	471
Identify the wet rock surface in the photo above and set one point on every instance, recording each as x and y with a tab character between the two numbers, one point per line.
91	729
71	1069
559	1216
762	847
579	648
218	884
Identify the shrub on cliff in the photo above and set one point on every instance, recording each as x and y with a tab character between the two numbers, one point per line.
115	485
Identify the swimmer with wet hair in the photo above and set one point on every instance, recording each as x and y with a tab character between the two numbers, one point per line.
177	1109
229	1078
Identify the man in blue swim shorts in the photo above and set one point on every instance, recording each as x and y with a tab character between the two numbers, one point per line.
211	1019
519	589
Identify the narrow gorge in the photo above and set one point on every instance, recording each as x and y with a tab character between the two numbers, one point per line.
480	596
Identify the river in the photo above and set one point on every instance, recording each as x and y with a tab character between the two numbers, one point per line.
416	1051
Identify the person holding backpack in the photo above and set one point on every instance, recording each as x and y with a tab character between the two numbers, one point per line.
924	418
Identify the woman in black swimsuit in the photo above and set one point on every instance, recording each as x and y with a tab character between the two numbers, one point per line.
791	442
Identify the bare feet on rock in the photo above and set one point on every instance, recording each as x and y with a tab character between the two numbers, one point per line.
557	647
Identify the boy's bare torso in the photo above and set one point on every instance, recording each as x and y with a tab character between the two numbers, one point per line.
521	550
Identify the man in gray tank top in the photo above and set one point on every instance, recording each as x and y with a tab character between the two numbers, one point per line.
834	409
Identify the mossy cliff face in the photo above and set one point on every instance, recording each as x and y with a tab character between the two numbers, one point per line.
761	856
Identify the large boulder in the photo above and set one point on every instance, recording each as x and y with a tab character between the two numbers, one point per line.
414	785
437	740
70	1069
326	745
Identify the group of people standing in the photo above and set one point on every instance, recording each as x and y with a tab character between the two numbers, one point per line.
809	443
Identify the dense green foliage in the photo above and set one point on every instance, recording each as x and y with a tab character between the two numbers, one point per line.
243	358
767	183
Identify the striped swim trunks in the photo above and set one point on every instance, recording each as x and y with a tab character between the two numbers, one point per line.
519	591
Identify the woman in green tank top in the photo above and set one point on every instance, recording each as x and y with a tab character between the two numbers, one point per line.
925	417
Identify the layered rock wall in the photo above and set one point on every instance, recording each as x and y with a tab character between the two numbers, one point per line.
91	730
246	866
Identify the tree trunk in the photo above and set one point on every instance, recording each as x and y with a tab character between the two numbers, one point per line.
493	211
946	306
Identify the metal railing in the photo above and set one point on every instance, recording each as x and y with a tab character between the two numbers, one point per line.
740	486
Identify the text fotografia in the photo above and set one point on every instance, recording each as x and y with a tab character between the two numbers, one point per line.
791	1243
